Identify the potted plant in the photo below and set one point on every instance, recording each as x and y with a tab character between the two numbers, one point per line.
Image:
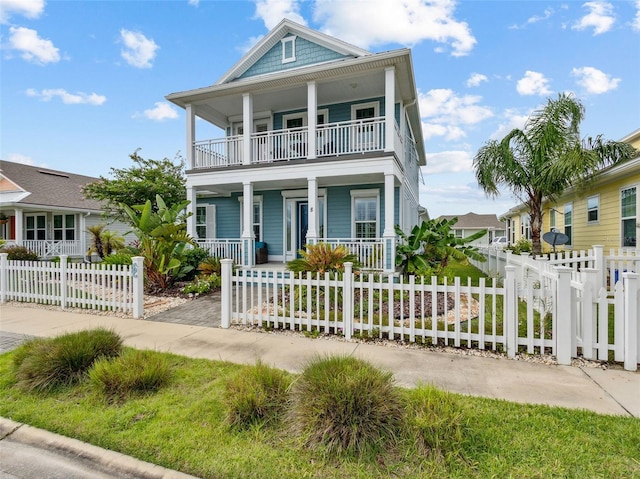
3	218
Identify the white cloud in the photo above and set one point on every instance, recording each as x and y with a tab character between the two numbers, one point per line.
27	8
442	105
475	79
448	162
249	44
512	119
273	11
449	132
139	50
548	12
600	17
533	83
34	49
594	80
194	3
636	22
376	22
160	112
23	159
67	98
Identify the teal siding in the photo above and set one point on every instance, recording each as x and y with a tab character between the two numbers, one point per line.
307	53
272	220
337	112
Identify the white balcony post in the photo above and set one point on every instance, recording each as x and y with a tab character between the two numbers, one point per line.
312	119
19	214
191	208
247	225
312	231
191	135
389	235
389	107
247	126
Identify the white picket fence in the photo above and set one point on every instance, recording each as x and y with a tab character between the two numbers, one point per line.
551	309
74	285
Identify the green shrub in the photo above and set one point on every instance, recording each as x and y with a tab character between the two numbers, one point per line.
210	266
256	395
202	285
193	257
20	253
133	372
345	405
45	364
434	421
523	245
321	258
117	258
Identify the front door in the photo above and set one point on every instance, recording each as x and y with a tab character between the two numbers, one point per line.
296	226
303	223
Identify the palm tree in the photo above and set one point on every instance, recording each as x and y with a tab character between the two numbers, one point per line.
545	158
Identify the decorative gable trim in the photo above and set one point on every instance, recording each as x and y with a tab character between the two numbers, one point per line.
284	28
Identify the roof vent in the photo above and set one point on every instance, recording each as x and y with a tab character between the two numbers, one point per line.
53	173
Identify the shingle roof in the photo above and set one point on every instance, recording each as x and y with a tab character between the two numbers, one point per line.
49	187
475	221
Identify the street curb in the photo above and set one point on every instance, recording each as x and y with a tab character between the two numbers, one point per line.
102	459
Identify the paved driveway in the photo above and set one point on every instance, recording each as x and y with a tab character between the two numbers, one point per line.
202	311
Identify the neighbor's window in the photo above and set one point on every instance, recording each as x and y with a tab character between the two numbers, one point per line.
288	49
64	227
525	226
365	216
593	209
568	222
457	233
629	216
552	219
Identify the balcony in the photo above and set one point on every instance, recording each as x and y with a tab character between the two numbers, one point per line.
331	139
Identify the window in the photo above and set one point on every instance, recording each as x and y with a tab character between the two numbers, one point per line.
457	233
525	226
367	136
64	227
568	222
36	227
593	209
288	49
628	215
201	221
552	219
256	215
364	211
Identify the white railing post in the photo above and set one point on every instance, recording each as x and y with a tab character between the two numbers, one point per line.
564	321
631	312
63	281
4	267
137	275
225	293
347	299
599	265
511	311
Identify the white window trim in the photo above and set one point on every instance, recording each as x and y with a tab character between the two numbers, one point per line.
593	222
293	116
637	216
292	40
257	199
564	222
64	228
209	222
360	106
369	193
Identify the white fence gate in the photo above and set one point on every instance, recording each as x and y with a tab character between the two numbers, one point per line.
79	285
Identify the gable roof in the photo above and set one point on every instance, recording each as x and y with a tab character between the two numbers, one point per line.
475	221
37	186
284	28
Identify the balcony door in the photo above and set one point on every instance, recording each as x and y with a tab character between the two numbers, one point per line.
259	147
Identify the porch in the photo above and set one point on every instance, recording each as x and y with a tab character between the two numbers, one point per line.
47	249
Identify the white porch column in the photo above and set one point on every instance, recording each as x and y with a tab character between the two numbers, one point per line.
191	208
312	193
248	239
191	135
82	233
389	108
312	118
389	235
19	214
247	127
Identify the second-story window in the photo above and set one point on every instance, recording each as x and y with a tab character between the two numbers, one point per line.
289	49
593	209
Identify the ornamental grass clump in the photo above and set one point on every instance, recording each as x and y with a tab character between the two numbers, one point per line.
346	406
322	258
435	421
256	395
47	364
133	373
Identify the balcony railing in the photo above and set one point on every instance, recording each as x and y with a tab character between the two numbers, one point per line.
369	251
50	248
223	248
332	139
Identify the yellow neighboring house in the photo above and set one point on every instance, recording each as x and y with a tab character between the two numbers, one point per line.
606	213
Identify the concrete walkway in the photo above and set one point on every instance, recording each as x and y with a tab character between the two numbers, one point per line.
609	391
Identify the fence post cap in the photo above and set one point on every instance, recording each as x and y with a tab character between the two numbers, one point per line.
226	260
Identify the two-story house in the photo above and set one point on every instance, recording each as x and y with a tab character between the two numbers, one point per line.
323	138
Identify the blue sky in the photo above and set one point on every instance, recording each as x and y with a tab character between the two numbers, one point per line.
83	82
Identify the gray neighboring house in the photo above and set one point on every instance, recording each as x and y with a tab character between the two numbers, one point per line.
45	210
471	223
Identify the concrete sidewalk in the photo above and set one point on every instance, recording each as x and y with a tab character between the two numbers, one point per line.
609	391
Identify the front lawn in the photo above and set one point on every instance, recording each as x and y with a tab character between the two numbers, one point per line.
182	427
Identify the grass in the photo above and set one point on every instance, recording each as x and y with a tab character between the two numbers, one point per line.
182	426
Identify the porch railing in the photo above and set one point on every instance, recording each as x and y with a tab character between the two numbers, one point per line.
223	248
369	251
50	248
332	139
